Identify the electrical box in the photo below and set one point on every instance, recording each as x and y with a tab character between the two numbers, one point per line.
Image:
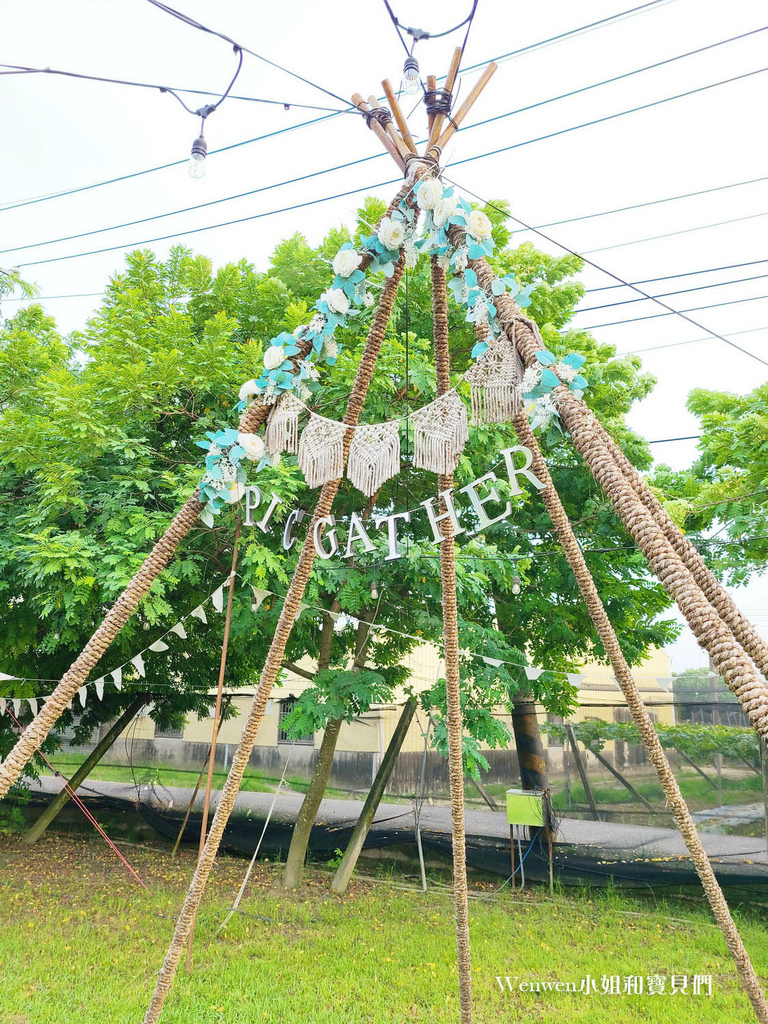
525	807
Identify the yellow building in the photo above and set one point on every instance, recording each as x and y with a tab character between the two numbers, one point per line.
363	742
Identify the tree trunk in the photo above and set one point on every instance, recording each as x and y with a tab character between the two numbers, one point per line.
371	805
530	750
85	769
294	865
297	851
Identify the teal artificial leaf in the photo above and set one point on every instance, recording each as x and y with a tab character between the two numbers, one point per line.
479	348
545	358
549	378
579	382
498	287
575	359
470	277
475	251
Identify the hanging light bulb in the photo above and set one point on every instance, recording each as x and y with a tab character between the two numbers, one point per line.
411	76
515	584
196	165
374	590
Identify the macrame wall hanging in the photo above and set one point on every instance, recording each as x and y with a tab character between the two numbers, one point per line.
374	456
321	451
440	432
495	381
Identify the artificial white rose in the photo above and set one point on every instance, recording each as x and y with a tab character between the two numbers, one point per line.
478	225
346	261
336	299
444	210
248	391
233	493
252	445
391	233
429	195
273	357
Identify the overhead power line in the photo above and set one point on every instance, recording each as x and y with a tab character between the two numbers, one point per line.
690	341
687	273
673	234
498	59
677	312
609	273
680	291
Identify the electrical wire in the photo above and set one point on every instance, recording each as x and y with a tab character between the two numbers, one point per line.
673	234
24	70
609	273
680	291
691	341
150	170
673	277
187	20
678	312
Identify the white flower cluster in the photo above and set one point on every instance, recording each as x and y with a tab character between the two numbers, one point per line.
461	260
444	261
565	372
317	323
368	300
330	348
411	254
310	369
531	379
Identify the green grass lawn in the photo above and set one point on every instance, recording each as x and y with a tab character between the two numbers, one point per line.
80	943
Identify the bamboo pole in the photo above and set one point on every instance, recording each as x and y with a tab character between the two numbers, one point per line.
450	80
216	718
392	133
462	112
397	112
379	132
431	87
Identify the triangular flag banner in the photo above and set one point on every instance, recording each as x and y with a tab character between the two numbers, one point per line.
82	693
4	676
16	701
574	677
32	701
2	707
302	607
179	630
199	613
493	662
138	663
217	599
99	684
158	646
334	616
117	678
532	672
259	596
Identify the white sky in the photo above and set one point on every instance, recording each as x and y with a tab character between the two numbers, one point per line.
60	133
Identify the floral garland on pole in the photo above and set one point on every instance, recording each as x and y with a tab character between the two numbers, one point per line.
225	477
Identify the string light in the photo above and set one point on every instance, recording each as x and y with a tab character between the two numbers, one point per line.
196	164
410	76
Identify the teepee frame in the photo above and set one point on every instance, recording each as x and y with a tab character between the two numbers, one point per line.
731	640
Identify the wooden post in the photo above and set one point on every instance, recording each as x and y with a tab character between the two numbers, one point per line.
216	717
85	769
462	112
372	801
397	112
692	763
431	87
625	782
582	771
487	798
450	80
389	128
379	132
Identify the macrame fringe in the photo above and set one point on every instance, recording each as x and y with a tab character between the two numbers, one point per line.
282	433
495	384
321	451
440	431
374	457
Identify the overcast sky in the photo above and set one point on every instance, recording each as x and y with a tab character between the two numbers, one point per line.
61	134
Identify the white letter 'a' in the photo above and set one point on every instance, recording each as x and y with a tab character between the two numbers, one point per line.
513	472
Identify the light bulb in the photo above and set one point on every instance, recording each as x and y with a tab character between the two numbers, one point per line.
516	585
374	590
196	164
411	76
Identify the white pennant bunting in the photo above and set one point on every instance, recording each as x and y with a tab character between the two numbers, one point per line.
217	599
3	707
179	630
532	672
259	597
82	693
138	664
199	613
32	701
16	701
99	684
117	678
574	677
4	676
158	646
493	662
302	608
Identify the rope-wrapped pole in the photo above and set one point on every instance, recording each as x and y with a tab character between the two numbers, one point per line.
274	661
728	657
452	671
35	733
643	721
